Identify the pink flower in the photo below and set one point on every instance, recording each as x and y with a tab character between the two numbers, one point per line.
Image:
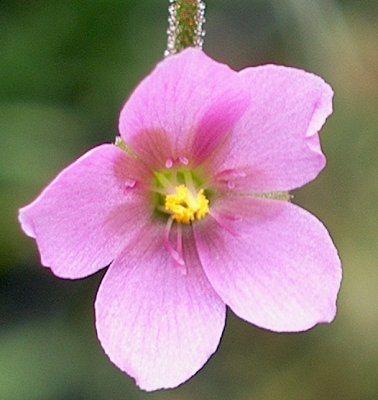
194	215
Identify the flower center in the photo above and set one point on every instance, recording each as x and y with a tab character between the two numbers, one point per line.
186	207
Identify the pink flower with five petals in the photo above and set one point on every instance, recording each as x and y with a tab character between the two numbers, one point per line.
193	215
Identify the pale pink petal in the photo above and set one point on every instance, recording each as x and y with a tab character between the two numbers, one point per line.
184	108
274	264
275	145
155	323
87	215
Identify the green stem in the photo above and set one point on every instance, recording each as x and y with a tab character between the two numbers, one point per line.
186	19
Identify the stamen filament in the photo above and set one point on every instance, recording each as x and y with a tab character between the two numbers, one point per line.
189	181
179	238
175	254
164	181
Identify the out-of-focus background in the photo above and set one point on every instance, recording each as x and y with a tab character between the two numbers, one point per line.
66	68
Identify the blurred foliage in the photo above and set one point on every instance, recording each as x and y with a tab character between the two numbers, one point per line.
66	68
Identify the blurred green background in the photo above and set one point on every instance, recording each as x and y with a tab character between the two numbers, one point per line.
66	68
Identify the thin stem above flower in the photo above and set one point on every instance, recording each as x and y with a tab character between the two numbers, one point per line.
186	20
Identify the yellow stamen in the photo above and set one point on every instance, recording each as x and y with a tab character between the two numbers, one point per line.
185	207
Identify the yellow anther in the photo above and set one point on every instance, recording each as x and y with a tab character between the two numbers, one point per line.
185	207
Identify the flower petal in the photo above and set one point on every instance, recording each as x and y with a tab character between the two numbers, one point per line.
155	323
275	144
279	270
87	215
184	108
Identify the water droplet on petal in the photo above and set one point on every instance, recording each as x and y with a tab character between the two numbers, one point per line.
231	185
169	163
130	183
184	160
